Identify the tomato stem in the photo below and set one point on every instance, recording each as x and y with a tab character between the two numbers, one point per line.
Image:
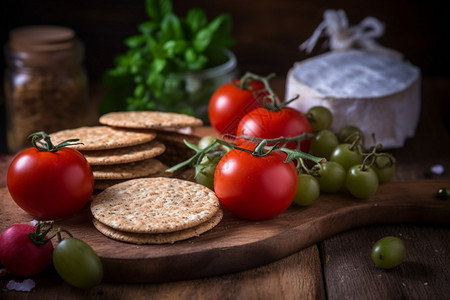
266	97
41	141
60	230
39	237
261	149
370	159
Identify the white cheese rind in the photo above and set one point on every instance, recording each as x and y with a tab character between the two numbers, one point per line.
379	95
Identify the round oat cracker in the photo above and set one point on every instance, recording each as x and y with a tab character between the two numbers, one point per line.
103	137
125	154
154	205
127	171
159	238
149	120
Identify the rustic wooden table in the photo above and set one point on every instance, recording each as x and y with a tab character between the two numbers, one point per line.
336	268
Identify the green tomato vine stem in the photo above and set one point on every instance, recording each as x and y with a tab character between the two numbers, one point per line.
269	101
42	229
370	158
47	145
38	237
260	150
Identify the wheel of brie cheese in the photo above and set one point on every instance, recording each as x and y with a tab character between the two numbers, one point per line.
378	93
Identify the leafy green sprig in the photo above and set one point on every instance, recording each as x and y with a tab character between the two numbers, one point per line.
166	44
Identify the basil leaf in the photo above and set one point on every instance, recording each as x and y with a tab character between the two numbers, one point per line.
171	28
139	91
165	44
221	26
157	9
202	39
196	20
135	41
174	47
148	27
195	61
158	65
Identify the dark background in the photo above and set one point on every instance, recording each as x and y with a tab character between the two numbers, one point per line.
267	32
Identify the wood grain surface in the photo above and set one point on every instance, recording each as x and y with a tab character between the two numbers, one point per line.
236	245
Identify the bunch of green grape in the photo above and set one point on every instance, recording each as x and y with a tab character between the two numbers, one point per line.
349	166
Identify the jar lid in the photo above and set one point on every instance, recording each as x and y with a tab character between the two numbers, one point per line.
42	38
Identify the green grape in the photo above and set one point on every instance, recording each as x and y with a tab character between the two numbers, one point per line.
361	183
308	190
348	134
323	143
443	193
319	118
347	157
331	177
388	252
77	263
384	167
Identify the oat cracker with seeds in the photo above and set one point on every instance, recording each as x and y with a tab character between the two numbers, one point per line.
103	137
125	154
159	238
128	171
154	205
149	120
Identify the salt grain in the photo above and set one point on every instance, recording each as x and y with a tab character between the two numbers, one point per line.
437	169
26	286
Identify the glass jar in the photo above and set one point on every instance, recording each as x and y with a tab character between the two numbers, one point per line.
193	90
46	85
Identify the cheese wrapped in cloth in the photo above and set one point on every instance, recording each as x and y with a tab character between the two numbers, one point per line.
371	87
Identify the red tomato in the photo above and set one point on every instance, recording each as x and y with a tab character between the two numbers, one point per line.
255	188
50	185
270	124
229	104
20	255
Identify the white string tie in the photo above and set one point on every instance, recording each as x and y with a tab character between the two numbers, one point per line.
344	37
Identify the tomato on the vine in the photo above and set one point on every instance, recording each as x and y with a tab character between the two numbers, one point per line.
249	186
271	124
77	263
22	254
50	183
230	102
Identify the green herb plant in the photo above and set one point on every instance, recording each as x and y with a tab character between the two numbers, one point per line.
166	44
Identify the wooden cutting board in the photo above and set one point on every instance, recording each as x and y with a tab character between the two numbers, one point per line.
236	245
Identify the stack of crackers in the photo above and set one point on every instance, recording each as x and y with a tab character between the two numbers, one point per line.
155	210
128	145
137	202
